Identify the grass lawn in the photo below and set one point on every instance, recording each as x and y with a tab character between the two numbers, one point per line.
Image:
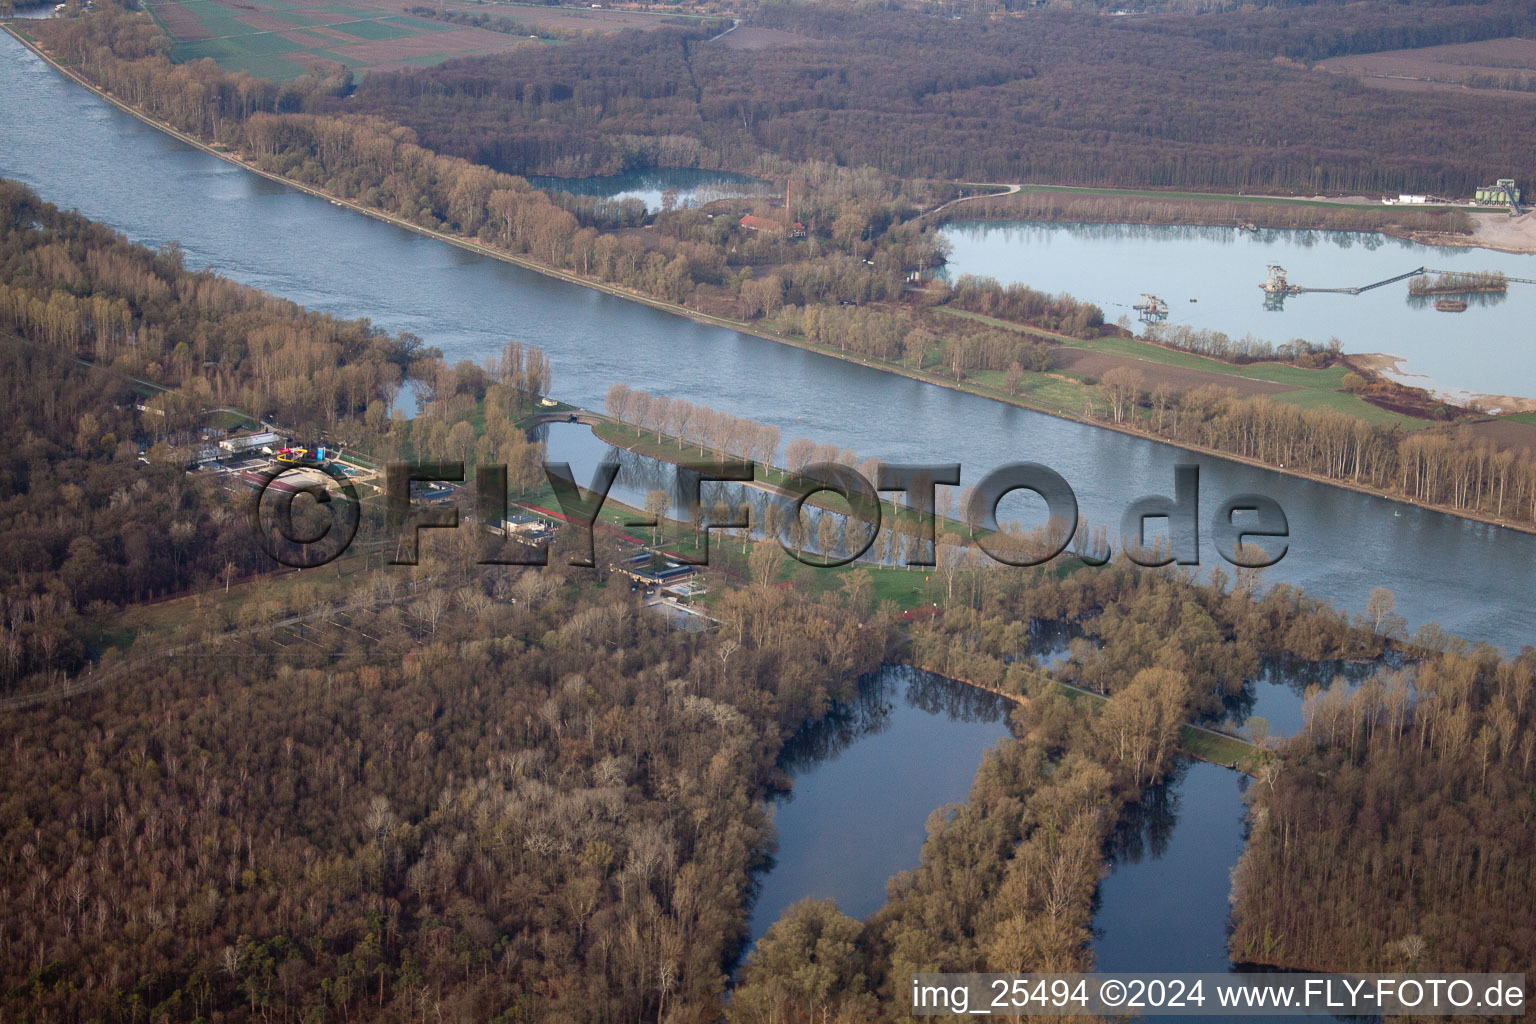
165	619
1277	373
1220	749
414	25
373	30
1350	405
1329	379
268	52
1313	389
1042	389
226	420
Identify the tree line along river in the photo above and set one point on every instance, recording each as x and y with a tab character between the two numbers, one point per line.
78	151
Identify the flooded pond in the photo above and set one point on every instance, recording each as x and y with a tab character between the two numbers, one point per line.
657	187
866	778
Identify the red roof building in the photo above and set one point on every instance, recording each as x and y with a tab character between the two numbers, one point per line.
752	222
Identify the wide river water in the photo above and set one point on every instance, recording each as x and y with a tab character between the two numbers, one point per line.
1209	277
79	151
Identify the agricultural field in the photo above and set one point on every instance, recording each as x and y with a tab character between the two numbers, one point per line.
1516	432
1507	65
282	39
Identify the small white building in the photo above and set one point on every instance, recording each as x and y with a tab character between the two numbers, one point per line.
528	527
249	442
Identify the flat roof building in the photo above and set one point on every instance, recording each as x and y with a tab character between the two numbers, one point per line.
246	442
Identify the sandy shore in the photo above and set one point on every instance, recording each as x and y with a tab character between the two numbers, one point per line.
1391	367
1493	229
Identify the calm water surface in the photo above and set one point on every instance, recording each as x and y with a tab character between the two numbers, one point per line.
866	779
688	186
78	151
1488	349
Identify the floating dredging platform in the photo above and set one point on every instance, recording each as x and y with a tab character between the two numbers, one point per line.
1151	308
1276	286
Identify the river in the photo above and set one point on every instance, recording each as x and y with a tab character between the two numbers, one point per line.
1209	277
79	151
1470	577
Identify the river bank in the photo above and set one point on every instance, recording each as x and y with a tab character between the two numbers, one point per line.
1494	230
662	452
1148	207
964	386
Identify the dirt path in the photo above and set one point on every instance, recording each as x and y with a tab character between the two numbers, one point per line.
981	195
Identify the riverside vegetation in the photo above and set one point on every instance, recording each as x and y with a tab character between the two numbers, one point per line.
844	288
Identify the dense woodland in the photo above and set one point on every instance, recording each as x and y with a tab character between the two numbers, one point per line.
85	320
80	288
1312	30
504	796
530	802
1400	831
1044	97
112	350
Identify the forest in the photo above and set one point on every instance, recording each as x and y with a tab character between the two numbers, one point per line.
1401	828
469	794
112	351
1172	101
85	317
532	802
1334	28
